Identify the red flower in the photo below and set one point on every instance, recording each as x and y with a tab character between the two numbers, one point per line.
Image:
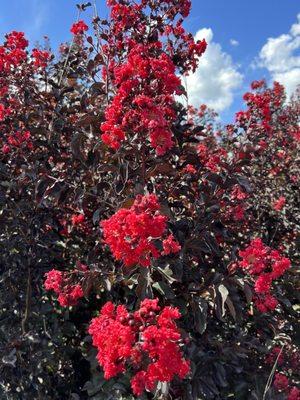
77	219
294	394
40	58
19	138
16	40
263	283
133	111
170	245
281	382
190	169
258	84
54	279
5	149
238	193
4	112
131	233
279	204
68	294
78	28
144	342
264	265
272	356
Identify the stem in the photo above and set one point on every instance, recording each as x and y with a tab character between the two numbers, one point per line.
27	304
270	378
143	165
68	55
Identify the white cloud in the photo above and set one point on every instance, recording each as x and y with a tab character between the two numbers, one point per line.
234	42
216	77
279	56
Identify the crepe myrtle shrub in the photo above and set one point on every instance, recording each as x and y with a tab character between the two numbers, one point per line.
134	230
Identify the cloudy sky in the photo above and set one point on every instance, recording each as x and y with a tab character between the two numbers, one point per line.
247	40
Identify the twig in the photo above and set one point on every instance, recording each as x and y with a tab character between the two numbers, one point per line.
68	55
27	306
270	378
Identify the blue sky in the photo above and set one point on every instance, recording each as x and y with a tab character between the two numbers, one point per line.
238	31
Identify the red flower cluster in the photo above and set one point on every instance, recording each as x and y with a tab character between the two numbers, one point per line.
262	104
272	356
16	40
40	58
144	101
4	112
170	246
212	160
145	81
281	382
131	233
13	52
294	394
77	219
147	341
237	213
123	15
78	28
264	265
288	359
279	204
188	52
189	169
238	194
68	294
17	140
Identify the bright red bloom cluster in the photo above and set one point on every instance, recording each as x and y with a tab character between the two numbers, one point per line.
131	233
147	341
40	58
170	246
13	52
264	265
68	294
144	101
238	194
78	28
77	219
16	40
146	80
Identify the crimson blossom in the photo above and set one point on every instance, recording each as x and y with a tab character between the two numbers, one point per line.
264	265
147	341
145	81
131	233
68	292
78	28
